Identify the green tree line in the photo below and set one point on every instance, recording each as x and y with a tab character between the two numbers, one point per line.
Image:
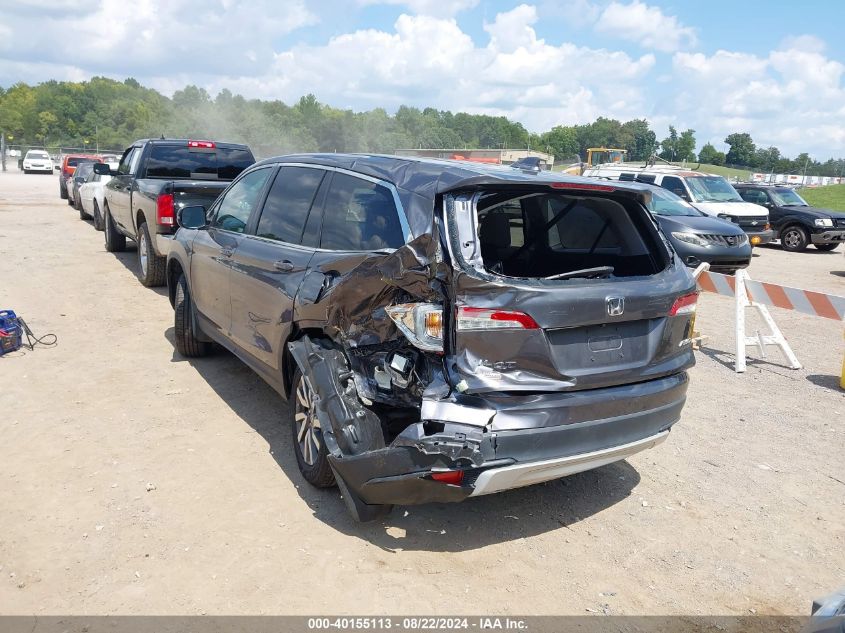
112	114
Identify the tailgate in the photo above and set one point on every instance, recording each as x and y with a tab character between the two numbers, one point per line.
520	332
196	192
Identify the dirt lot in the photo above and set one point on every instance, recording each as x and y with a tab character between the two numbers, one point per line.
742	508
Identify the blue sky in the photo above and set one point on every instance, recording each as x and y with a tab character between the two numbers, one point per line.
770	68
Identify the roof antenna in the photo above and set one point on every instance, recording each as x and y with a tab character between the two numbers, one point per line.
162	136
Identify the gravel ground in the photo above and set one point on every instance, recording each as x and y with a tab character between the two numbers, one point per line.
135	481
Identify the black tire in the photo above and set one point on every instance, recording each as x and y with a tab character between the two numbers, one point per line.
319	472
70	201
826	247
794	238
62	192
115	240
82	214
98	218
187	344
151	267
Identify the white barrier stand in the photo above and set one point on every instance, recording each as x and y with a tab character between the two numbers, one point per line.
761	340
697	338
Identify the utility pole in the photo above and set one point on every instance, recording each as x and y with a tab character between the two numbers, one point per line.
3	150
97	134
804	173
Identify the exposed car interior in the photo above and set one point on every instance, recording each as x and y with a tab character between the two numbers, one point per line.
541	235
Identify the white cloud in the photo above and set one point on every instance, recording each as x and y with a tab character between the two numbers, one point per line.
791	98
437	8
182	36
646	25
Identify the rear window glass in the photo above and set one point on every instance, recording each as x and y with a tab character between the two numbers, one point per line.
37	155
73	162
174	161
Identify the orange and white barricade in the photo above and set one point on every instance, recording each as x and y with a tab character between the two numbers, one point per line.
748	293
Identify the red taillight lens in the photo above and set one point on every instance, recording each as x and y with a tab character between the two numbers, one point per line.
453	477
485	319
684	304
201	144
164	210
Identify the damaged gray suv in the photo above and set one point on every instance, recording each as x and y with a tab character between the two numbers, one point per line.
444	329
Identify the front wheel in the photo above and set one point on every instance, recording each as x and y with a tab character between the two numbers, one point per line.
187	343
794	239
98	218
115	240
151	267
826	247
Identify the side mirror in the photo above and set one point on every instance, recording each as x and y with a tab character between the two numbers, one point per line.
192	217
103	169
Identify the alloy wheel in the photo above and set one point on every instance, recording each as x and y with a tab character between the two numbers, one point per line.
143	252
309	433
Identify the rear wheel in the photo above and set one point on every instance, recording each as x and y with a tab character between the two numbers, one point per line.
794	239
151	267
82	214
70	200
312	456
98	218
187	344
826	247
115	240
62	192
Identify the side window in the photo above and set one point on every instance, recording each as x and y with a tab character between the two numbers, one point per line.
645	178
626	177
582	229
128	155
754	195
136	158
237	204
360	216
674	185
290	198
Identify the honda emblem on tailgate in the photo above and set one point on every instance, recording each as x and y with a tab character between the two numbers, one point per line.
615	306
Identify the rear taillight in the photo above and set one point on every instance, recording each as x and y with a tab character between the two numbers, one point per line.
422	323
201	144
684	305
164	210
484	319
453	477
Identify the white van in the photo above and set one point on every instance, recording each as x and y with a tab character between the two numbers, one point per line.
709	193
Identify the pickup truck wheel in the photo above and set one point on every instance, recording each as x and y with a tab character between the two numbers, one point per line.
312	456
115	241
151	267
186	343
826	247
794	238
98	218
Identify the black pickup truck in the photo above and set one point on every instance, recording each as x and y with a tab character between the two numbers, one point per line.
156	178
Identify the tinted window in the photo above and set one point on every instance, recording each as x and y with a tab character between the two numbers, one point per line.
123	168
673	184
237	204
645	178
73	162
288	202
180	161
360	216
583	228
754	195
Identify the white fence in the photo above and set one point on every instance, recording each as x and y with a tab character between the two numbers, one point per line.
798	179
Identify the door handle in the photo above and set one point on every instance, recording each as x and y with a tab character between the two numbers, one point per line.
225	251
283	266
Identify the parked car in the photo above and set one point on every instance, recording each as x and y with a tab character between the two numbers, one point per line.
91	198
796	223
444	330
709	193
79	176
154	179
697	237
69	163
37	160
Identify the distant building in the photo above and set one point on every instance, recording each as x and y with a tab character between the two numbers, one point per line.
491	156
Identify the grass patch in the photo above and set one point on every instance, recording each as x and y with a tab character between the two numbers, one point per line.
827	197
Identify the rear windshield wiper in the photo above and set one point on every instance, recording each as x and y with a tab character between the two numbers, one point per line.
586	273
